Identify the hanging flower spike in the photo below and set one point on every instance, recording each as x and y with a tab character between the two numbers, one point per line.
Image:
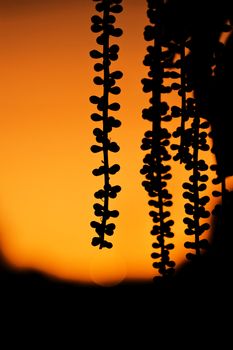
104	25
195	208
156	142
184	87
193	139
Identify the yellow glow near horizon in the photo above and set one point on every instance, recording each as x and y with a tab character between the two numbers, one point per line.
46	184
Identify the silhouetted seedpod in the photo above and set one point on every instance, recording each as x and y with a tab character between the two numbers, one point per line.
97	132
114	106
111	19
114	49
104	25
203	178
98	81
147	85
116	188
167	118
96	28
117	32
203	213
113	192
115	123
116	75
99	194
167	203
96	149
204	147
116	8
217	193
114	213
149	33
99	171
113	147
96	241
204	200
106	244
96	117
190	245
189	208
169	223
155	255
95	99
111	82
202	187
115	90
98	67
113	56
204	227
110	227
176	111
216	181
98	207
114	169
100	6
101	40
96	19
170	246
165	89
96	54
175	86
167	176
189	231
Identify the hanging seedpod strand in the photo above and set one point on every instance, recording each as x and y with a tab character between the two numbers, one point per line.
104	24
183	102
195	208
183	88
156	141
192	142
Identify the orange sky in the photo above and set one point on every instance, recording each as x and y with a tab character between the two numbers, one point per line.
46	184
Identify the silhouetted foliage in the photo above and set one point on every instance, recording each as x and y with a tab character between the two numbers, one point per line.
104	24
189	54
193	140
156	142
185	58
202	69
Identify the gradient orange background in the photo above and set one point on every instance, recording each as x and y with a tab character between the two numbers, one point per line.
46	181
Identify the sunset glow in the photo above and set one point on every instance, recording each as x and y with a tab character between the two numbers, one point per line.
46	181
